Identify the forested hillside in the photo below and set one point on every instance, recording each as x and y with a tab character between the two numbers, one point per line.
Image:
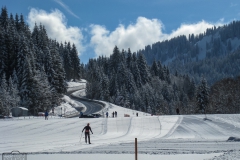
125	79
33	67
214	53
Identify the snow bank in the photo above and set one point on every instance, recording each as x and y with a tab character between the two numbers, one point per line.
67	107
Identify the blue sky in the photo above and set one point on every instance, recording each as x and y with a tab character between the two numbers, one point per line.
96	26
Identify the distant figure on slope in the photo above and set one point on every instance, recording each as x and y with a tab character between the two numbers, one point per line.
116	114
46	115
87	134
113	114
106	114
137	114
177	111
81	114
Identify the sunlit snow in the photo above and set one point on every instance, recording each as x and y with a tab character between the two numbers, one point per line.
159	137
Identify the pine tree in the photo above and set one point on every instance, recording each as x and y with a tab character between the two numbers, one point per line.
129	58
113	86
13	93
4	18
115	59
143	68
104	84
68	64
3	53
154	69
202	96
4	97
136	75
160	70
59	74
76	63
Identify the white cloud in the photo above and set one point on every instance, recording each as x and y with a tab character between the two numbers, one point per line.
186	29
66	8
134	36
137	36
56	26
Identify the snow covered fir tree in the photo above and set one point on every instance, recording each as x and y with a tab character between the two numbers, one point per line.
33	67
34	70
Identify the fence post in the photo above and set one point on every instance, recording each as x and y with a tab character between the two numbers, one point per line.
136	149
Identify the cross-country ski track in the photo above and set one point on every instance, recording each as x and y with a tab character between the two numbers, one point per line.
193	135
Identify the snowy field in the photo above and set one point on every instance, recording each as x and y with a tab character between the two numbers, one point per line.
186	137
165	137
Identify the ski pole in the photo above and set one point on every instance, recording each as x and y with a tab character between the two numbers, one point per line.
80	137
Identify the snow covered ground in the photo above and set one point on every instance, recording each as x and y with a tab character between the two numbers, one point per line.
166	137
173	137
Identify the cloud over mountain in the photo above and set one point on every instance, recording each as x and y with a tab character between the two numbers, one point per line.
134	36
137	36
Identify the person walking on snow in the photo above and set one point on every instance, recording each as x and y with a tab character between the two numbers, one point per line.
46	115
81	114
87	134
116	114
107	115
177	111
113	114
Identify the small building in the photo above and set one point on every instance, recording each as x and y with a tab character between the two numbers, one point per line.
19	111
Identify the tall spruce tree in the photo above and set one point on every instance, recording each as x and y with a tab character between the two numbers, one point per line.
202	96
75	63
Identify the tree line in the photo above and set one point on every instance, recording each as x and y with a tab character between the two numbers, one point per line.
126	80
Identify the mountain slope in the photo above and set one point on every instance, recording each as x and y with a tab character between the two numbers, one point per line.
183	54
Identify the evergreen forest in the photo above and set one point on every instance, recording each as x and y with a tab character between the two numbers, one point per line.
33	68
213	54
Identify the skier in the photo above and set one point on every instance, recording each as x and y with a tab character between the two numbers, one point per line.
87	134
177	111
107	115
46	115
137	114
113	114
116	114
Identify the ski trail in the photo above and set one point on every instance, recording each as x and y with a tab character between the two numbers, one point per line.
171	131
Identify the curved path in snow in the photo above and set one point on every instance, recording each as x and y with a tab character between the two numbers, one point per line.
91	106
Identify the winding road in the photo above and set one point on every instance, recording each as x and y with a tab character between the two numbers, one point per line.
91	106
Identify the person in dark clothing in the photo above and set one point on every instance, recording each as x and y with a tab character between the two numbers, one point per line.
107	115
46	115
87	134
115	113
81	114
137	114
177	111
